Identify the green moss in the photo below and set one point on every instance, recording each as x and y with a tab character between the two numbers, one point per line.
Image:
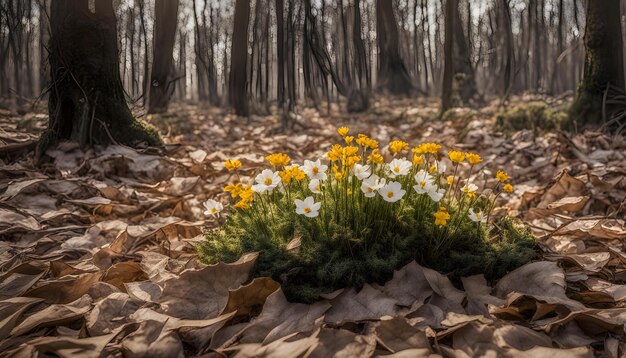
136	132
342	257
533	115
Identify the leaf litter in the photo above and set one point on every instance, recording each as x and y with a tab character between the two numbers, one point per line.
97	254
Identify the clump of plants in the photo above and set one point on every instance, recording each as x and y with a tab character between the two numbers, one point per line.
533	116
354	217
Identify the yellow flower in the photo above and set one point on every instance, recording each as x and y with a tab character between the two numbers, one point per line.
508	188
456	156
427	148
247	193
450	180
502	176
335	168
362	140
350	151
242	204
298	173
349	191
335	153
418	159
441	216
234	189
432	169
292	172
348	139
343	131
338	176
350	161
285	176
278	159
473	158
398	146
375	157
232	164
372	143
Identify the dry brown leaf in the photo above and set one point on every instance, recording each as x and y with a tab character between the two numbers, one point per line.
11	310
54	315
397	334
369	303
408	285
65	289
541	278
280	318
123	272
342	343
203	293
245	298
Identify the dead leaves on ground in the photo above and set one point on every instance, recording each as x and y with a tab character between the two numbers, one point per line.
97	255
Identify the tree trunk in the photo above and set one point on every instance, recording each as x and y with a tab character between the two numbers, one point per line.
280	52
358	100
239	59
87	102
161	79
392	73
447	92
603	60
464	78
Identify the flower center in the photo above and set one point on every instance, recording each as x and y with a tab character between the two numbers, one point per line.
307	210
390	194
478	215
369	190
268	181
213	210
422	184
396	169
315	170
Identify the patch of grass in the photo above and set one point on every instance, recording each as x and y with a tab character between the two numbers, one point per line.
532	115
324	262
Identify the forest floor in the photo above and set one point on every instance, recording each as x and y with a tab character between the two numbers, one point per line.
97	255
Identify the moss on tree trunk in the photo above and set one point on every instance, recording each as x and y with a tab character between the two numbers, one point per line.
87	101
603	61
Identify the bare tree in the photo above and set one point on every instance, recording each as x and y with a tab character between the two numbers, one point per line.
161	76
392	73
238	81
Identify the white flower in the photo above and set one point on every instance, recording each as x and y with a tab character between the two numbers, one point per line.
370	185
470	189
361	171
315	186
434	193
266	181
307	207
423	179
392	192
399	167
477	216
315	170
212	207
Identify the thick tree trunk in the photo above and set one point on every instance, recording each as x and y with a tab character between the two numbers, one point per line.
603	60
87	102
239	59
161	79
392	73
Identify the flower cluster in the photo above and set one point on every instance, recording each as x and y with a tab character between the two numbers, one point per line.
362	210
354	185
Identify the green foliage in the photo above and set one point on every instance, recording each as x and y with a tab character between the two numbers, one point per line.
533	115
342	257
